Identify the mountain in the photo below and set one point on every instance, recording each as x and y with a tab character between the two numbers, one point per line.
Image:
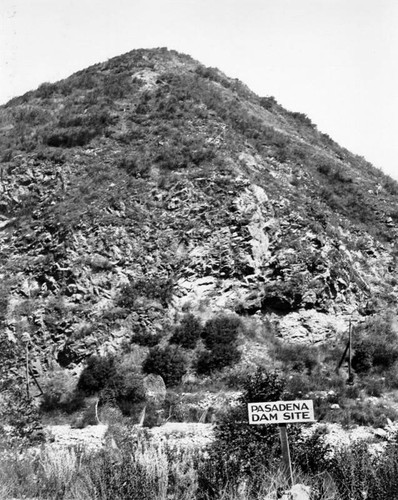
150	186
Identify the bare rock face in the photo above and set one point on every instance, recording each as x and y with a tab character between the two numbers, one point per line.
253	204
311	327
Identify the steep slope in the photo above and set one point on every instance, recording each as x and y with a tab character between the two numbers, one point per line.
150	185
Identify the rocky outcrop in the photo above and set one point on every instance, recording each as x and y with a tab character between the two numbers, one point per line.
149	186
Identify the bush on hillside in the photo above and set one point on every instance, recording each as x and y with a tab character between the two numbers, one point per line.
375	346
160	289
168	362
69	137
135	165
96	374
374	353
20	414
114	382
220	338
268	102
302	119
187	333
125	390
218	358
221	330
117	86
60	394
146	339
390	185
46	90
296	357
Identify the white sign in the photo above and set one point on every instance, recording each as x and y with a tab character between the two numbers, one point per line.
281	412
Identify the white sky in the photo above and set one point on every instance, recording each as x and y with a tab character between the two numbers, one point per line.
334	60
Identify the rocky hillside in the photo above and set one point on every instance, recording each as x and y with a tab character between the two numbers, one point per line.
149	186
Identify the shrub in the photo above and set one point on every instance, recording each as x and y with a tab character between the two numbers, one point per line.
117	86
70	137
268	102
373	353
311	454
135	165
116	383
390	185
20	413
60	394
220	337
160	289
240	449
375	346
351	470
187	333
46	90
96	119
221	330
302	119
218	358
205	363
96	374
3	302
146	339
284	295
167	362
125	390
367	414
297	357
325	167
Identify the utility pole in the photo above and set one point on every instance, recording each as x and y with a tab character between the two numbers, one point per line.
350	380
26	340
348	349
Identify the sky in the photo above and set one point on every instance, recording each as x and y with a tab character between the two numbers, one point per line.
334	60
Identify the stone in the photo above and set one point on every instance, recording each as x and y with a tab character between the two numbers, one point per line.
298	492
380	433
154	388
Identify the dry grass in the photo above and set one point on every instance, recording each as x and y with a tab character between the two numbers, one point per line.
143	470
147	472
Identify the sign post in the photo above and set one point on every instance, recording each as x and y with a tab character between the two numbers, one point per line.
282	413
286	453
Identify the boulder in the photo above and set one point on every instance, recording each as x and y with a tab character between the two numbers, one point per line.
298	492
155	388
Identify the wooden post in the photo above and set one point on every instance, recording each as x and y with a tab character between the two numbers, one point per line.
342	358
286	454
350	380
26	340
27	371
349	351
36	382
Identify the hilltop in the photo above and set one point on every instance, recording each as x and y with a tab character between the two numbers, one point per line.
149	188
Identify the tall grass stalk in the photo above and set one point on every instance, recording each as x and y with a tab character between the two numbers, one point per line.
58	469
